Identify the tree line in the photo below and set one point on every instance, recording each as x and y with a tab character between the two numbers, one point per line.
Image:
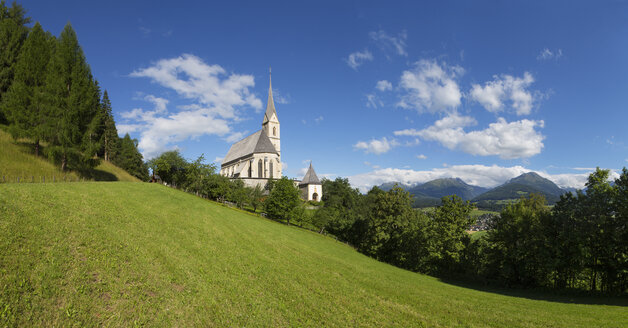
279	199
48	94
581	243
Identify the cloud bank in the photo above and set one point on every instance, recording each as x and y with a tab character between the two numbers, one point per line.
216	98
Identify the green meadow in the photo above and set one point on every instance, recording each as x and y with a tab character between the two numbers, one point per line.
138	254
17	160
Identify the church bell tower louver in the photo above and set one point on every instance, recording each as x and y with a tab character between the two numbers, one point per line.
270	125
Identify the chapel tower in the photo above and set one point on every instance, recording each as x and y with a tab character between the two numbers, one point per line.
270	125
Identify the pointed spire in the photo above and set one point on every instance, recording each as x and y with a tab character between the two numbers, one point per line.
310	177
270	106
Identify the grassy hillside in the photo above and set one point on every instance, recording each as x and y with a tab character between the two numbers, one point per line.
17	160
122	254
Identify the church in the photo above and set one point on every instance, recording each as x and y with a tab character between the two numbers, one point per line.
257	158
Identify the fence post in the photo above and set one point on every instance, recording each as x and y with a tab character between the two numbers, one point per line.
32	178
53	178
44	178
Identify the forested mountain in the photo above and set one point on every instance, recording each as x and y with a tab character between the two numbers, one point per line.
445	187
430	193
523	185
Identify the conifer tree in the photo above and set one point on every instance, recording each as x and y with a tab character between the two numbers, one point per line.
110	132
24	102
72	101
13	32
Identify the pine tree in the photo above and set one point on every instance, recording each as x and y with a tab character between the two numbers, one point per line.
24	102
72	102
13	32
130	159
110	132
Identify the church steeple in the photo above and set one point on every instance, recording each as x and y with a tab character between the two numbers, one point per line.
271	120
270	106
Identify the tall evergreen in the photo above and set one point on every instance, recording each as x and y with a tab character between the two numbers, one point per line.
130	159
110	132
24	104
13	32
72	101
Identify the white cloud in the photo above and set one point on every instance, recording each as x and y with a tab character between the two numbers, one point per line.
373	102
218	160
319	119
390	43
280	98
495	93
421	156
383	85
479	175
375	146
431	87
236	136
358	58
517	139
217	98
547	54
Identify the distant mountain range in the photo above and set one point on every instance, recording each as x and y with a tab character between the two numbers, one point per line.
430	193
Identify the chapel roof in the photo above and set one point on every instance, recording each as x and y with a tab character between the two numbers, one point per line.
257	142
270	106
310	177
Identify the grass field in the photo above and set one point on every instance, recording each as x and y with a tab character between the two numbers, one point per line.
123	254
17	160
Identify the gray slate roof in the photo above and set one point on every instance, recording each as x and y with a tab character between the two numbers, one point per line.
310	177
257	142
270	106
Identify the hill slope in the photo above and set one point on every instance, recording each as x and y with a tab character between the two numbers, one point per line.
450	186
121	254
17	161
523	185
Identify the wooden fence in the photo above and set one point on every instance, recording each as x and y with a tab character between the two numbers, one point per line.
40	179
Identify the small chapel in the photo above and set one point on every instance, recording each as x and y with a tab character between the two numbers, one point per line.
257	158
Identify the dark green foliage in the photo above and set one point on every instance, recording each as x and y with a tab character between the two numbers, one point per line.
283	201
518	243
130	159
170	166
72	103
448	235
24	103
342	207
109	138
389	216
13	32
256	195
580	244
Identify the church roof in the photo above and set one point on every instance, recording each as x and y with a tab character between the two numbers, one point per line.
310	177
270	106
257	142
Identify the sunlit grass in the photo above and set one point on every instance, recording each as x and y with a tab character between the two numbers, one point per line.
123	254
17	160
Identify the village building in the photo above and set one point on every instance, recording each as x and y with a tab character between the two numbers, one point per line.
257	158
311	188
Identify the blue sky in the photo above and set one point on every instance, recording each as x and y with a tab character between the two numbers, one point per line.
372	91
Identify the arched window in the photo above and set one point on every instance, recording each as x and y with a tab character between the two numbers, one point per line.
274	131
260	169
315	197
271	169
250	169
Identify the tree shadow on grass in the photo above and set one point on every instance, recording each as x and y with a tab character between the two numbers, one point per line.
557	296
97	175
